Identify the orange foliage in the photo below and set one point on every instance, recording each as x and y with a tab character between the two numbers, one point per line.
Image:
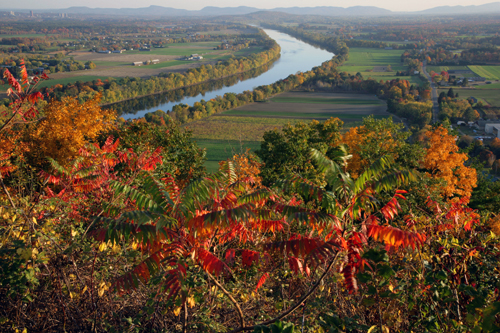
67	127
443	161
357	137
247	168
353	139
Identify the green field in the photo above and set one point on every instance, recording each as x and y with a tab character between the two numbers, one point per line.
489	86
372	63
165	64
110	63
489	96
53	82
236	128
221	134
369	57
24	36
306	100
296	115
220	150
489	72
83	78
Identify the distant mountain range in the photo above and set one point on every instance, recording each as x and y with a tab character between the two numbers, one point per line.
243	10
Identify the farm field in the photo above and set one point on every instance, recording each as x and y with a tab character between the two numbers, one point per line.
248	123
120	64
488	96
218	150
24	35
439	69
371	57
372	63
489	86
53	82
489	72
491	96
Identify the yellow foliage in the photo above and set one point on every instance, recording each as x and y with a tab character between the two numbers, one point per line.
381	141
67	127
354	140
247	168
443	161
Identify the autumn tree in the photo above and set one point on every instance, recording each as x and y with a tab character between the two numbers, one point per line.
67	126
443	161
246	167
285	152
181	157
377	138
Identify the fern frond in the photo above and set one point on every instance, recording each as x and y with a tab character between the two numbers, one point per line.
394	237
209	262
261	281
142	201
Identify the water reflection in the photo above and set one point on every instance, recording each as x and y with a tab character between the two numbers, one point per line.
154	102
296	56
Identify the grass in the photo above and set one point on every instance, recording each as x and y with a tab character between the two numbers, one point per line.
24	36
365	60
246	52
110	63
439	69
297	115
181	49
306	100
489	86
83	78
233	131
227	128
490	96
165	64
489	72
53	82
360	56
219	150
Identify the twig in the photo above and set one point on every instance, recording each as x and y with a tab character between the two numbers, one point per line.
293	308
240	313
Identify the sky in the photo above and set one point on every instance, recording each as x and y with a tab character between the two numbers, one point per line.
263	4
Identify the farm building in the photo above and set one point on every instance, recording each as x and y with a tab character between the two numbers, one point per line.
493	128
194	57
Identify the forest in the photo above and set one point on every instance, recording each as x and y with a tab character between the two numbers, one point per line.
114	225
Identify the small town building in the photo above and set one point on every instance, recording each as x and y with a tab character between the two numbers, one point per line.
493	128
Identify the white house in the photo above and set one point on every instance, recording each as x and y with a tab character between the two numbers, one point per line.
493	129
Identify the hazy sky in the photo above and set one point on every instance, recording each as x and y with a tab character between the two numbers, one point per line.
198	4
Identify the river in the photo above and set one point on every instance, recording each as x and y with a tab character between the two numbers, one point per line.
296	56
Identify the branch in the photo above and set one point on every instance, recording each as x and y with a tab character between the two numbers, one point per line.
7	192
293	308
240	313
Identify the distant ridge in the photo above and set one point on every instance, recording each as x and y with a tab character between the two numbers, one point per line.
491	8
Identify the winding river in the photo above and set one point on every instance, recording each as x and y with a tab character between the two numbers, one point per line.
296	56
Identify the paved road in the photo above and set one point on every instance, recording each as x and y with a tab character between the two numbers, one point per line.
434	95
